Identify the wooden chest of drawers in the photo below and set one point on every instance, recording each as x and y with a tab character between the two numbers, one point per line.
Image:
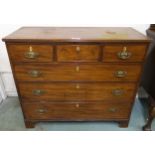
76	74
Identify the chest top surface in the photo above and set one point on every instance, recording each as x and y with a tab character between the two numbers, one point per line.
76	34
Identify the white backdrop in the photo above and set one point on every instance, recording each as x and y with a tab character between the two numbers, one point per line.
5	69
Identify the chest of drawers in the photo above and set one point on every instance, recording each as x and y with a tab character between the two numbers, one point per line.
76	74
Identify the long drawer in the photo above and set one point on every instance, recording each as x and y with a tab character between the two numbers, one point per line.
75	111
114	92
78	72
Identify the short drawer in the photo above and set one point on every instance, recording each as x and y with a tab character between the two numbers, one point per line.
30	53
81	72
124	53
114	92
77	111
70	53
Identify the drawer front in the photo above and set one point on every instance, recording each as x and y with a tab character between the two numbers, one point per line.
114	92
70	53
124	53
77	111
31	53
73	72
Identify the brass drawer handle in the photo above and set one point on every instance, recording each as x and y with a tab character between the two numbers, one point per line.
34	73
113	110
124	54
118	92
120	74
41	111
31	54
38	92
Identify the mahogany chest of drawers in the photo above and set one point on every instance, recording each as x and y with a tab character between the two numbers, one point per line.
76	74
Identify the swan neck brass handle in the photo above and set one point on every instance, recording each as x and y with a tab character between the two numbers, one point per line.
120	74
38	92
124	54
118	92
31	54
34	73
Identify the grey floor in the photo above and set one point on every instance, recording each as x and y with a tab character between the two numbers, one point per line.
11	119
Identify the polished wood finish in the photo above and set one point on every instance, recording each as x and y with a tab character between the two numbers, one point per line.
76	74
77	111
114	92
76	34
17	53
111	52
75	53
